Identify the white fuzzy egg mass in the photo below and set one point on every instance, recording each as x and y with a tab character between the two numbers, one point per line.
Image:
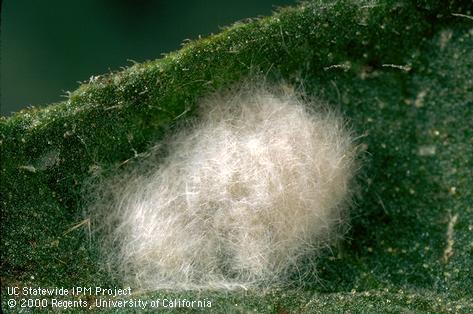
259	183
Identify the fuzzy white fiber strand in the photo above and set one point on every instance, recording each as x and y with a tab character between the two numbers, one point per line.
256	185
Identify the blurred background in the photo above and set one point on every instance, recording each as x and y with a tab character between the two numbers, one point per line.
47	47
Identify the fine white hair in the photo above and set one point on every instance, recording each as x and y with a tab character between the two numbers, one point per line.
258	183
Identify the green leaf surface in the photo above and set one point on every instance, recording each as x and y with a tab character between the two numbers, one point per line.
400	71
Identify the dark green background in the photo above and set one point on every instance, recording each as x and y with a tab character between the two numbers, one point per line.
48	46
